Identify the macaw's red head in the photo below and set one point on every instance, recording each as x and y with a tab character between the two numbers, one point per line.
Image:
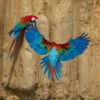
32	18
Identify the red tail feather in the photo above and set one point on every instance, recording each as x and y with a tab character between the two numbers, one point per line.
11	45
10	49
52	73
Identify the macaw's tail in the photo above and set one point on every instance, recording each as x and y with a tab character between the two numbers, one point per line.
14	39
52	64
11	32
10	49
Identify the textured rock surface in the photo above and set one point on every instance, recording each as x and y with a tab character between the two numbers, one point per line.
21	76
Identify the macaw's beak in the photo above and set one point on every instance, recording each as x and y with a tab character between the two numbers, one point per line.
35	20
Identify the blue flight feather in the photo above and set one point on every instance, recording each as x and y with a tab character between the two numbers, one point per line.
56	75
49	73
58	72
78	45
11	32
45	70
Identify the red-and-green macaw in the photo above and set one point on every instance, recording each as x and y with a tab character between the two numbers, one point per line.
57	52
22	23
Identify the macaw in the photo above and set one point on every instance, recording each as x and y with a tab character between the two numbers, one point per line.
57	52
23	23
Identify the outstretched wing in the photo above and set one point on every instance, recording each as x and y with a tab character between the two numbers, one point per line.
75	47
37	41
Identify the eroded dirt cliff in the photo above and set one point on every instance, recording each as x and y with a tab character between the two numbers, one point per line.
21	76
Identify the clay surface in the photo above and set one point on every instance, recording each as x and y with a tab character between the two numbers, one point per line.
21	76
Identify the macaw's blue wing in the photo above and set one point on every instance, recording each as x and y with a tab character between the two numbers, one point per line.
35	39
75	48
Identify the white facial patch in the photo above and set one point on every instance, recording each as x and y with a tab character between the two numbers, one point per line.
33	19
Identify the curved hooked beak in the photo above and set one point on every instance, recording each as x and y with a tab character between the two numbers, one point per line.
36	20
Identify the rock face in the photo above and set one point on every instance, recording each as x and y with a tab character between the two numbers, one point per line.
21	76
